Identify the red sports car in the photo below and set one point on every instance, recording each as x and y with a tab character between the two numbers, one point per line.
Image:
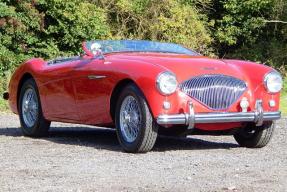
145	88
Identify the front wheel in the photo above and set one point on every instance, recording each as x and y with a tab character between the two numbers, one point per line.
32	121
255	137
136	129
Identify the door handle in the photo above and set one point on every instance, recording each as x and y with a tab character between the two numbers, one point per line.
91	77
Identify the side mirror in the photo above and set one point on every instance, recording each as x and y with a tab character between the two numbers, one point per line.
92	49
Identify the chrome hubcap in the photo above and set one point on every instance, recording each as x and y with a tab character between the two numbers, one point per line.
30	107
130	119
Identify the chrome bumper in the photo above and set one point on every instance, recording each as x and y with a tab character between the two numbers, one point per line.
191	119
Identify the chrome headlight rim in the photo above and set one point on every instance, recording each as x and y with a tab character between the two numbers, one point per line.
158	83
267	78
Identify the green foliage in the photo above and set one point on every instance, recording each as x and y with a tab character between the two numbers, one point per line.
3	87
283	100
180	24
46	29
67	23
10	26
283	105
3	105
241	20
162	20
52	28
250	30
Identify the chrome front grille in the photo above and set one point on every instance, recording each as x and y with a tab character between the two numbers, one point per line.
215	91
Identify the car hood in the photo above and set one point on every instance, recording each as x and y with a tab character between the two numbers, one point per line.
185	66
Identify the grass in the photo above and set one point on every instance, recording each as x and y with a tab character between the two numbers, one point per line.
283	104
4	107
283	100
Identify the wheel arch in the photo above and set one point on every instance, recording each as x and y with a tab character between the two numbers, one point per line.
115	94
117	91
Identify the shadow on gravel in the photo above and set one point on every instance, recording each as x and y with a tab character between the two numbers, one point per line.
107	139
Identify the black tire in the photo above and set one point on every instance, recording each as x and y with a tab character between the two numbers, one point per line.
148	130
255	137
41	126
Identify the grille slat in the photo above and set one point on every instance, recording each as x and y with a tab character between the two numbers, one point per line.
215	91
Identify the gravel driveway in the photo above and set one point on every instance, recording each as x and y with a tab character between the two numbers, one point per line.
82	158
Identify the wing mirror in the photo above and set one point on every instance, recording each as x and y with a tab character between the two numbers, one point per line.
92	49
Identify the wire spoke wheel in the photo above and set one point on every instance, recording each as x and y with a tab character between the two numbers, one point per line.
130	118
30	108
33	123
136	130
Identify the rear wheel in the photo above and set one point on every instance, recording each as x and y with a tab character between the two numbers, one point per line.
136	129
30	112
255	137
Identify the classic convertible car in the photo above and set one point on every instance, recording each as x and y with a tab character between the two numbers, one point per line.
145	88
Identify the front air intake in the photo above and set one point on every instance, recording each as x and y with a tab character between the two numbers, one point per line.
217	92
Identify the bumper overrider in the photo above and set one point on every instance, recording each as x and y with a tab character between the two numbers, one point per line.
190	119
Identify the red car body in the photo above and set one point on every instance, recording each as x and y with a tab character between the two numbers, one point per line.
84	90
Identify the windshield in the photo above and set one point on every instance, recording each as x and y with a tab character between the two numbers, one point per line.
111	46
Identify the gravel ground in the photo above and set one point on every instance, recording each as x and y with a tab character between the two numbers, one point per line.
82	158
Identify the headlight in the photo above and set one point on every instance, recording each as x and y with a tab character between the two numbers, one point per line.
273	82
166	83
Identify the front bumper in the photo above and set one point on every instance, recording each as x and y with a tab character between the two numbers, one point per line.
190	119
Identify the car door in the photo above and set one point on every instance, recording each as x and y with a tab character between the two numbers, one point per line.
59	91
91	80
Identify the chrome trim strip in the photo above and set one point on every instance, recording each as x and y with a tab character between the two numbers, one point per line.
91	77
